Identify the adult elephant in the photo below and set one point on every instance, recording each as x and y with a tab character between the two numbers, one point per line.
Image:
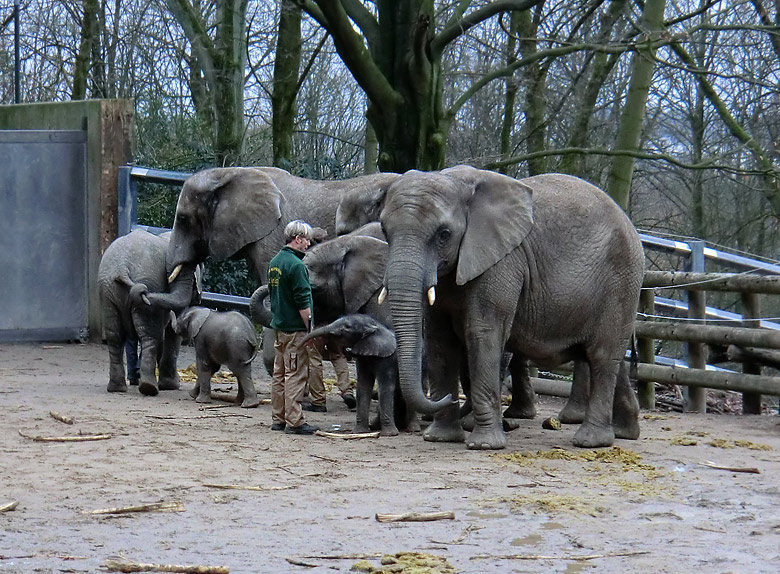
548	267
135	301
242	211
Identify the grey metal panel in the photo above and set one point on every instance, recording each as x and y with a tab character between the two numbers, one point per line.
43	239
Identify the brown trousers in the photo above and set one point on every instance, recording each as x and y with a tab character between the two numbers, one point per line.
316	382
291	370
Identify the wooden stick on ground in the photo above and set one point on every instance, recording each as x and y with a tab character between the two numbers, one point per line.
128	566
62	418
10	506
154	507
563	557
80	438
749	470
239	487
415	517
352	436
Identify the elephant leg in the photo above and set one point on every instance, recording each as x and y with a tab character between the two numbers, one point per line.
247	394
574	410
205	370
386	382
596	430
168	374
523	404
148	324
443	356
115	338
485	335
365	388
625	410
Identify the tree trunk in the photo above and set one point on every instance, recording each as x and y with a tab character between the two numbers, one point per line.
511	90
285	87
535	100
90	37
630	128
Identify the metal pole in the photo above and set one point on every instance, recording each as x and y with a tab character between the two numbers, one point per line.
17	63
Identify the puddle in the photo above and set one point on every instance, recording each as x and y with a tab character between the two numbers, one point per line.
552	526
530	540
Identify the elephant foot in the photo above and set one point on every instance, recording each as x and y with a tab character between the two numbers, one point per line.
440	431
486	438
590	435
194	391
467	422
510	424
628	429
572	414
250	402
117	386
389	431
520	411
361	428
413	425
170	383
203	398
148	388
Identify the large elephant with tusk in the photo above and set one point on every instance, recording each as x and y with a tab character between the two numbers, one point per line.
547	267
242	211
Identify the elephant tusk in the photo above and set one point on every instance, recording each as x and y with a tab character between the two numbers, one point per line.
382	295
174	274
432	296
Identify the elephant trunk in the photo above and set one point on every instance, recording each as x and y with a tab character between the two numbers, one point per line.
406	288
319	332
260	313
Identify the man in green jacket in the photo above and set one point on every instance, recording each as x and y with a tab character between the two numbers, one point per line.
291	307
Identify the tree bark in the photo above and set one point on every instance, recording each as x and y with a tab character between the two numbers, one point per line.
90	37
632	117
285	87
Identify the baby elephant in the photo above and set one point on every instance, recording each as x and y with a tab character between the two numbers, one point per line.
373	346
220	338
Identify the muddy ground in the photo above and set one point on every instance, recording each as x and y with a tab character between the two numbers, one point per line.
653	506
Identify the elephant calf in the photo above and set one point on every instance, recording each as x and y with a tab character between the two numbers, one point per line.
373	347
220	338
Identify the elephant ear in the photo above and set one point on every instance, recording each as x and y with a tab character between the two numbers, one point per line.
363	271
247	206
500	216
359	206
192	320
379	343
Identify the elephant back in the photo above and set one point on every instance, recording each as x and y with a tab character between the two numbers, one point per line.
138	257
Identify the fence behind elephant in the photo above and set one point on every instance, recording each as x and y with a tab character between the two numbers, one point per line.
680	339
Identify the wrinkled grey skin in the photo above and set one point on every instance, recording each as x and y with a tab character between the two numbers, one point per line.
242	212
220	338
548	267
373	346
131	266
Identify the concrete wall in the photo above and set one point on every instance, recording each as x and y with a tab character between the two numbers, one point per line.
109	127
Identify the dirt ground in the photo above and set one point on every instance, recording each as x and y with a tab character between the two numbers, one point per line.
311	505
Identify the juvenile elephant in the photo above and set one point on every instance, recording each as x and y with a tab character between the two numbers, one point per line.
220	338
131	266
242	212
373	346
547	267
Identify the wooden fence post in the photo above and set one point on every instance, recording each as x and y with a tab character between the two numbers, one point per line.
751	312
696	397
646	349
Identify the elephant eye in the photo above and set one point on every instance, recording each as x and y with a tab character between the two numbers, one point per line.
444	235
